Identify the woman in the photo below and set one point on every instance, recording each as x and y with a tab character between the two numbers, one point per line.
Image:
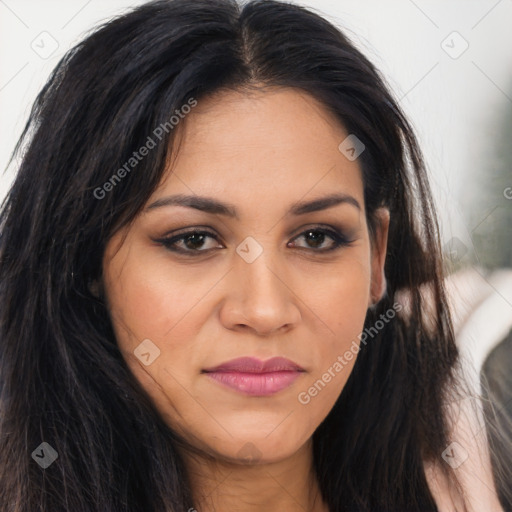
205	256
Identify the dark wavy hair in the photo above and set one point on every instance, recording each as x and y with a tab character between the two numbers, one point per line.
62	377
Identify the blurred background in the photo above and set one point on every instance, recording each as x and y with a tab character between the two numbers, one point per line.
448	62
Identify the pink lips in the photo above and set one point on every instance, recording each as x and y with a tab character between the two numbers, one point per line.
251	376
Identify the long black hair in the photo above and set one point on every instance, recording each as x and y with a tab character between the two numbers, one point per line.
63	380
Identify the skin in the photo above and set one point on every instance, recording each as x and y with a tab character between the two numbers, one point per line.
261	152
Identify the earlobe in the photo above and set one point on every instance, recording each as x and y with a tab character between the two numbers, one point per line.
379	250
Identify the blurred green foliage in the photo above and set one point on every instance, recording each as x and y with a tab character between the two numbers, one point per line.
487	196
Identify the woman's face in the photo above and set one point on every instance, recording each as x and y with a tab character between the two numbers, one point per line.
267	276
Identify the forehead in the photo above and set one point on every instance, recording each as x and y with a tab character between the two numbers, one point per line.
263	145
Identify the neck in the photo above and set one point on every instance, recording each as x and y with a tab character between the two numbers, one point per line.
264	486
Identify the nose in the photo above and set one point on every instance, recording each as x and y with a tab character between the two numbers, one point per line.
260	298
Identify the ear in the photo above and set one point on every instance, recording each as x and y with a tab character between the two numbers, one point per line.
379	246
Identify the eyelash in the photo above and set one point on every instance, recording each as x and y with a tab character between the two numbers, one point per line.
169	242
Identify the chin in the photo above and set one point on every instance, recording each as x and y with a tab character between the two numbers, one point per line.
259	449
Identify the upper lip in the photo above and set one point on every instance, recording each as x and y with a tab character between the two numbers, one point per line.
254	365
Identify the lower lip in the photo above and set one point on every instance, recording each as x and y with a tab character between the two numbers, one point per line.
256	384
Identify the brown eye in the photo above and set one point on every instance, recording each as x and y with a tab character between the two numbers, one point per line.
315	238
318	237
194	243
190	242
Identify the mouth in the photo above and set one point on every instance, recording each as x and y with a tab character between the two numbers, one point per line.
251	376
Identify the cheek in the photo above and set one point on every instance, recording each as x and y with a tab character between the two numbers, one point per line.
169	307
145	304
143	297
342	301
341	304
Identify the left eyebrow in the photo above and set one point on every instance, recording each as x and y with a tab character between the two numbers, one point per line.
323	203
213	206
